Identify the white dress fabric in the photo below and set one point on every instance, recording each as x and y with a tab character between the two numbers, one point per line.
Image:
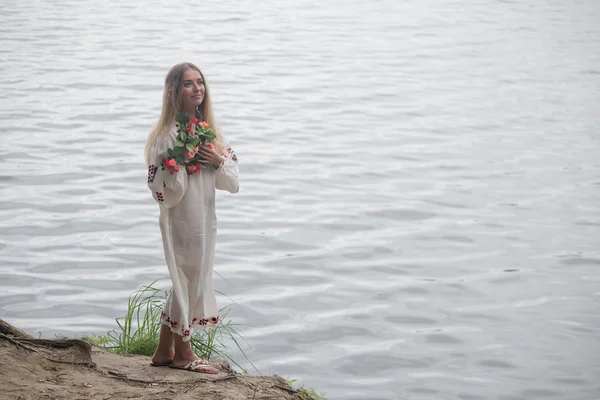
188	225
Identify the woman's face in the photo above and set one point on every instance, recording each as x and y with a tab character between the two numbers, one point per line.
192	92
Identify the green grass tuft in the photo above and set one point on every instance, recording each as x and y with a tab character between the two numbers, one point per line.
139	330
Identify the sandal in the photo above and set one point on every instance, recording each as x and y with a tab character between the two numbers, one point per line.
198	366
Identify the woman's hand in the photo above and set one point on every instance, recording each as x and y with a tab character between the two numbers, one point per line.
209	155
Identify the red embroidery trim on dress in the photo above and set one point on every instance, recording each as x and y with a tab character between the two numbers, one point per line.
159	197
195	321
232	153
152	173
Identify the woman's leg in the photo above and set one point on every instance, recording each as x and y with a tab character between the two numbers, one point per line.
164	352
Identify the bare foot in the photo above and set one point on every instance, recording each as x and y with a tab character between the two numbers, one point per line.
186	358
163	358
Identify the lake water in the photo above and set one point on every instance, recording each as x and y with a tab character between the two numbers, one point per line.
420	182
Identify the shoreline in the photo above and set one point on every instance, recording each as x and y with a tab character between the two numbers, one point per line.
70	369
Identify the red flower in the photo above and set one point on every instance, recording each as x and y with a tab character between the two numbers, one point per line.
171	162
212	146
191	170
203	124
193	120
188	128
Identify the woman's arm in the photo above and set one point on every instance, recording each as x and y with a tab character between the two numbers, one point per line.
227	175
167	189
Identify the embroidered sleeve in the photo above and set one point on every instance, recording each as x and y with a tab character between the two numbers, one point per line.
227	175
167	189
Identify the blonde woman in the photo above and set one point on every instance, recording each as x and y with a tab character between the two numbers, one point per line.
188	222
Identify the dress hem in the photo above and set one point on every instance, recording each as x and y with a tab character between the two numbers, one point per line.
186	334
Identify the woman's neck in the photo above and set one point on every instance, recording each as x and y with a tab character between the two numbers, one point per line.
190	113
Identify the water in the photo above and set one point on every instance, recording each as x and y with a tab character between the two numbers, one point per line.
418	215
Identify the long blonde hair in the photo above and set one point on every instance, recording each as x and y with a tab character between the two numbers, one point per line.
172	104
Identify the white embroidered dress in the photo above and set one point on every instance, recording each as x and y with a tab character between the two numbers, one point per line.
188	225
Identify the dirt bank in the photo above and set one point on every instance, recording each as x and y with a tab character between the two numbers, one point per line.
32	369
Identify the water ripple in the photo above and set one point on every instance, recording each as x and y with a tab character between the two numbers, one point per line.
418	214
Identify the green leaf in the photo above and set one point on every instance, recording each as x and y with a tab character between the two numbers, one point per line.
183	118
189	147
210	136
194	142
178	144
184	137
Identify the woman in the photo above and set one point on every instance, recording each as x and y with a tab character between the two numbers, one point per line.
187	218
